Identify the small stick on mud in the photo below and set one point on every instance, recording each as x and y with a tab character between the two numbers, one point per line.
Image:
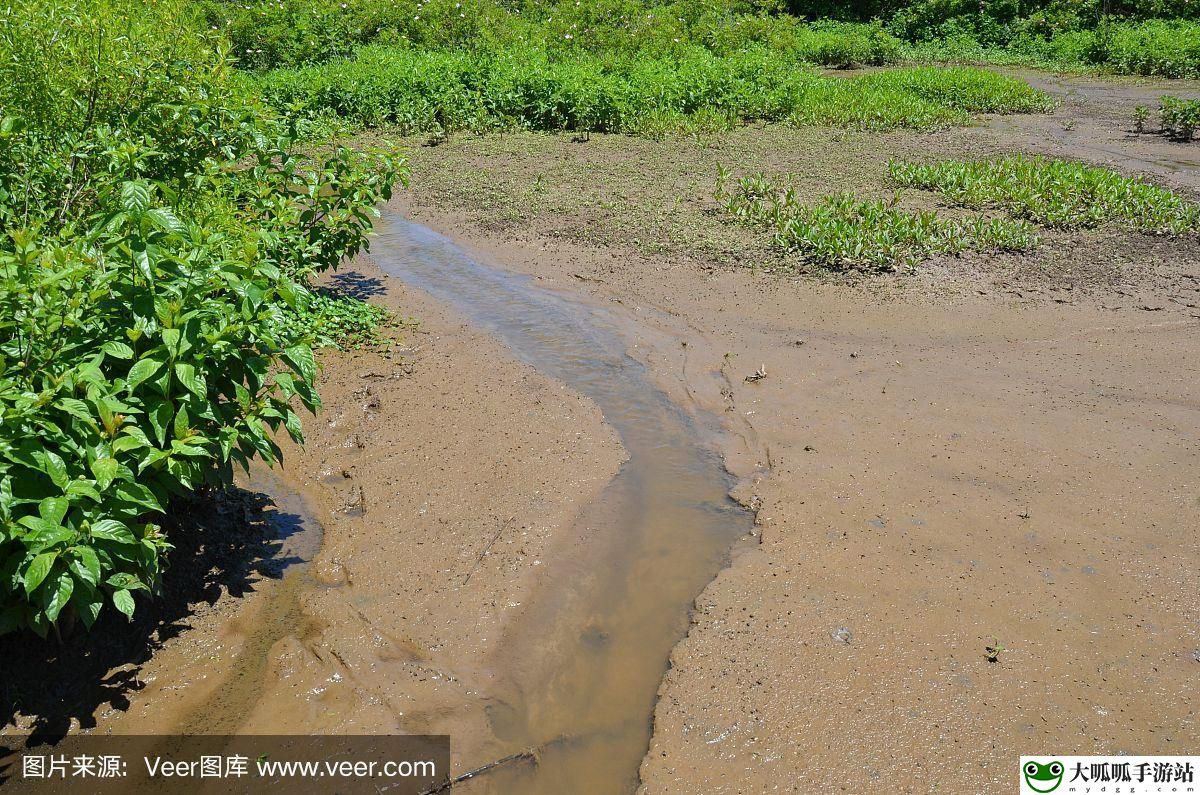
757	375
520	756
487	549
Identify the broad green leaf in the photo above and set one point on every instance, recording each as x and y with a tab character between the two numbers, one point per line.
191	380
87	602
159	416
117	350
76	408
105	470
135	197
301	358
165	220
141	370
37	570
83	488
123	601
138	495
112	530
54	466
53	509
85	564
129	442
60	592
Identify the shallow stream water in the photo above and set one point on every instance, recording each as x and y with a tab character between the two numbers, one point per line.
583	664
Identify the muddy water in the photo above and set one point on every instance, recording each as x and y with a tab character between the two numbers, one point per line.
578	672
298	533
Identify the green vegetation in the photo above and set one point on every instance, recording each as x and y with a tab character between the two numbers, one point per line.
269	34
1055	193
337	321
1180	117
157	234
1070	35
1141	115
842	232
1132	38
439	91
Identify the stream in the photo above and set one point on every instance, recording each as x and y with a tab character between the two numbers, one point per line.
582	665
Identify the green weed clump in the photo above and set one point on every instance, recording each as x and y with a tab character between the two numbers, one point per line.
843	232
421	91
157	234
1056	193
1180	117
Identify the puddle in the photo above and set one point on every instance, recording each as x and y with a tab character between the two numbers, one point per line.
581	668
298	535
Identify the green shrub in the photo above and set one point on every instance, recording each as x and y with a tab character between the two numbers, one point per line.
1056	193
1180	117
1156	47
1169	48
843	232
422	91
156	236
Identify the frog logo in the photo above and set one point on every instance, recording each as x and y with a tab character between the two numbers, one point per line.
1043	778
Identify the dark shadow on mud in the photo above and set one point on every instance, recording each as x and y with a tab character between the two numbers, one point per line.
351	284
225	543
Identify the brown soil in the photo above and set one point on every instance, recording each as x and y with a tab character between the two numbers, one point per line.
988	452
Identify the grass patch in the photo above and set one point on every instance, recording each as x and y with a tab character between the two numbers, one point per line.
440	92
845	233
1055	193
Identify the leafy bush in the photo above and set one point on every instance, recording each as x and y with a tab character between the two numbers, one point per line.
843	232
156	234
1056	193
287	33
1156	47
431	91
1180	117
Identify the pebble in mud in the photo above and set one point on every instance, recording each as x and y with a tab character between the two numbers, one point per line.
843	635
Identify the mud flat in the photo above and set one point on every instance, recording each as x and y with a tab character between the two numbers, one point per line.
994	452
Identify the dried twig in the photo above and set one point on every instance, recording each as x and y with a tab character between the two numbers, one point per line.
520	756
487	549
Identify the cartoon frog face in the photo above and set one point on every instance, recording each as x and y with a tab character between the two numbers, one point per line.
1043	778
